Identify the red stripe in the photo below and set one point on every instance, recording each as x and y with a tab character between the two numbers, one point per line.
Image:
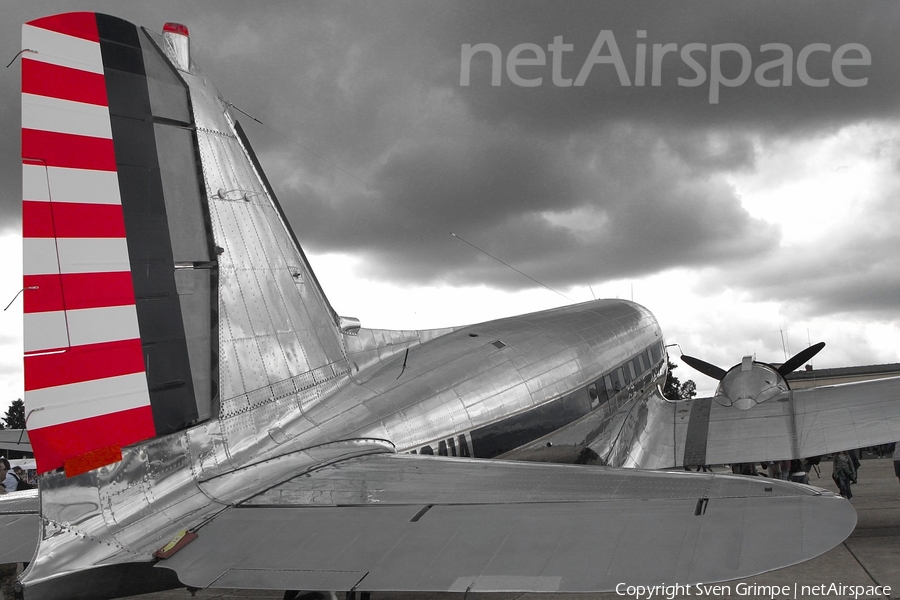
93	460
75	291
78	24
45	79
84	363
46	298
55	444
69	150
72	220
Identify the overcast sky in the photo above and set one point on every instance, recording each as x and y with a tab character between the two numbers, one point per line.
749	225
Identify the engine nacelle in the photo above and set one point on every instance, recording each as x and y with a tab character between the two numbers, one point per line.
750	383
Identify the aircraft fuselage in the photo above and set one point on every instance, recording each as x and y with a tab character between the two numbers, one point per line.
487	390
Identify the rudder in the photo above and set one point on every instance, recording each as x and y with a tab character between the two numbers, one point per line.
155	250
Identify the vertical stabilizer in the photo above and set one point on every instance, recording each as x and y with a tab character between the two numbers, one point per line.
120	293
86	391
163	283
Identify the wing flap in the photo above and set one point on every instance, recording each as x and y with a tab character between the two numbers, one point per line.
504	526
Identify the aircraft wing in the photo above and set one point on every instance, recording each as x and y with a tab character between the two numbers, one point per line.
15	439
796	424
20	519
422	523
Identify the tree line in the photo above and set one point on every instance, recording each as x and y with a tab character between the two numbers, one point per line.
15	416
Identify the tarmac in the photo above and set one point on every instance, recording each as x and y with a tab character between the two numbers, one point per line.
868	559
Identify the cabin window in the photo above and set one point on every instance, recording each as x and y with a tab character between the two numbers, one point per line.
645	361
463	446
428	450
610	388
603	389
654	352
452	445
442	448
618	379
595	396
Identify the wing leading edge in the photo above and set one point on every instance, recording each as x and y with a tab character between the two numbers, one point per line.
413	523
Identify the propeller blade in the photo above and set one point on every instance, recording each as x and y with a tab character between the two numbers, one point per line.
799	359
704	367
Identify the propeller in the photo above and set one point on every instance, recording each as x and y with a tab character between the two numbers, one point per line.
704	367
798	359
789	365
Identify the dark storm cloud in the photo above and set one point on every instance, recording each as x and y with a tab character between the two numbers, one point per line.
504	166
562	212
567	184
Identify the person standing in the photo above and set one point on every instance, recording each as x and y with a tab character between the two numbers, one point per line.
786	470
9	480
844	473
22	482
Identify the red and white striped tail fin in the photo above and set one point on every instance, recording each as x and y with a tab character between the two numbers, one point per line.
160	270
86	392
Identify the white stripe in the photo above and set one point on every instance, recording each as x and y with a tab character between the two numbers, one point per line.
86	399
39	256
85	186
44	331
76	255
47	330
107	324
34	183
65	116
60	49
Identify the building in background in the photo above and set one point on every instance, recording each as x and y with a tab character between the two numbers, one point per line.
810	377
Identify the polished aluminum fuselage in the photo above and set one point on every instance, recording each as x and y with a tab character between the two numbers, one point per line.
450	386
284	386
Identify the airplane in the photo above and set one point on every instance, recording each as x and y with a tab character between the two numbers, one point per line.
201	416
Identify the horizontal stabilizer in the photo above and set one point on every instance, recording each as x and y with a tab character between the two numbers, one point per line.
21	522
412	523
